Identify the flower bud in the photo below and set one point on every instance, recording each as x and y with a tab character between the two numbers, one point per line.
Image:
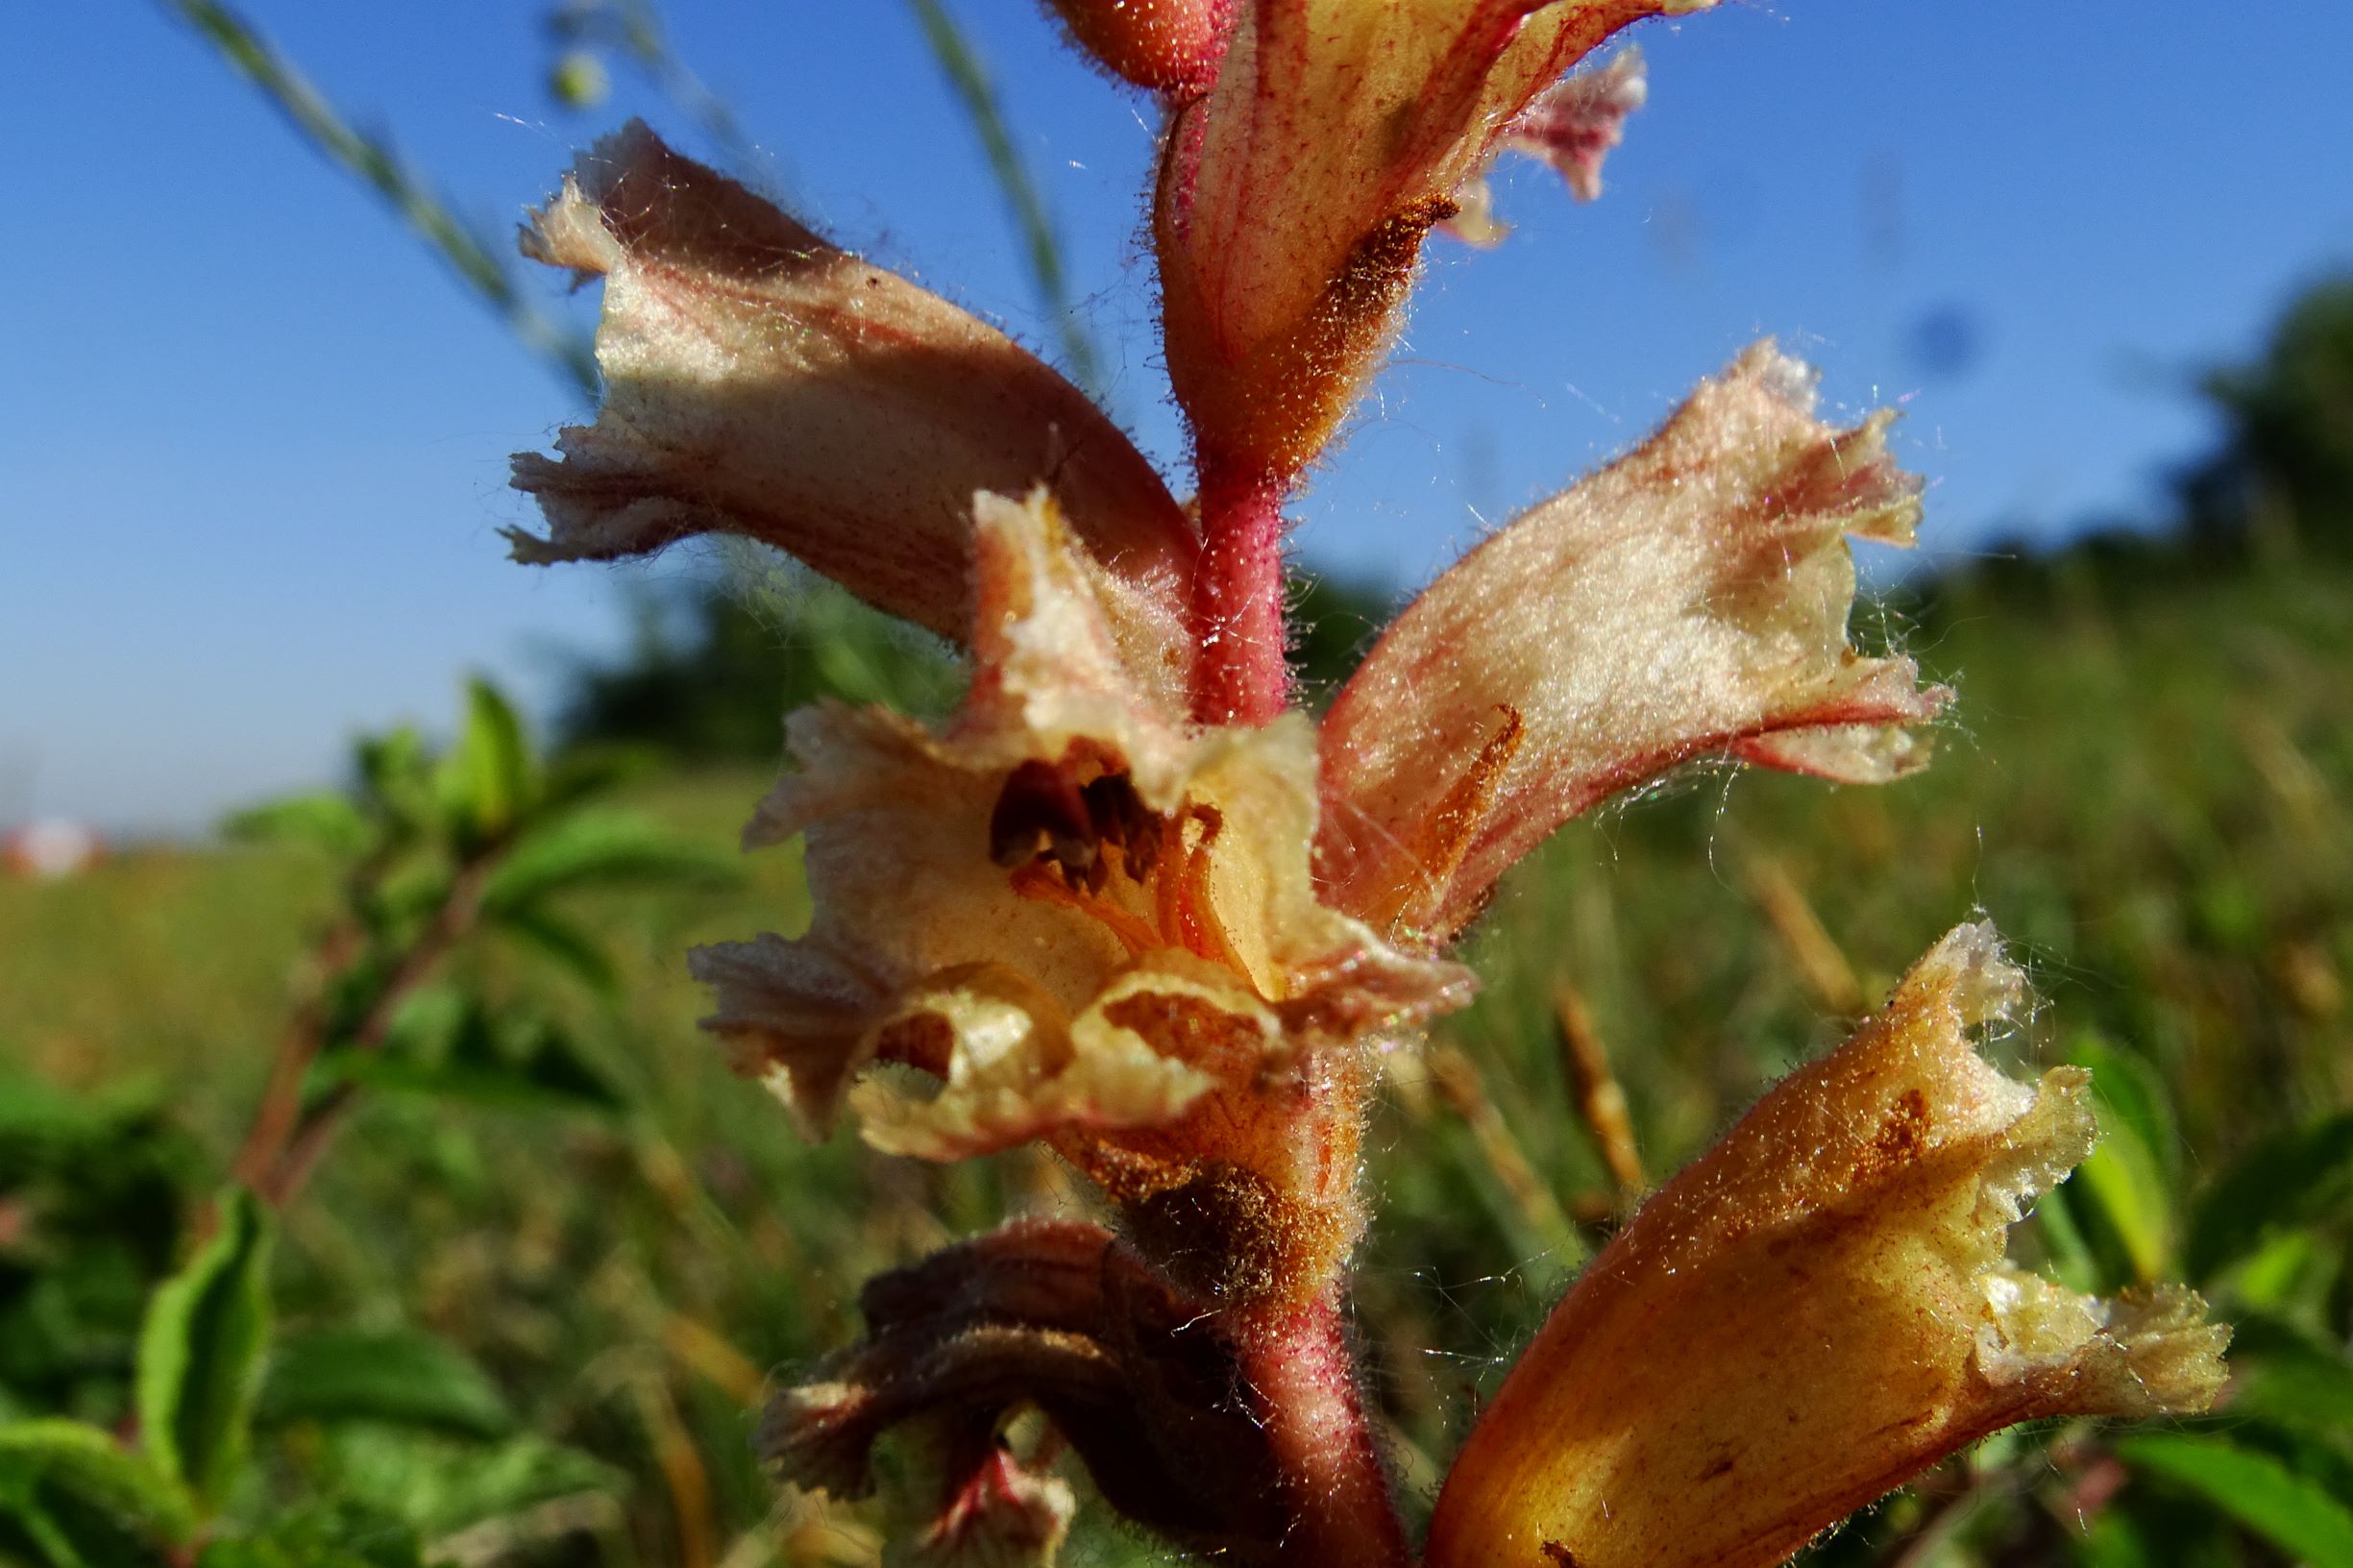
1293	196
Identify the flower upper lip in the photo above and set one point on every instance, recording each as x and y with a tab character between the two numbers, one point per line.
761	381
1293	195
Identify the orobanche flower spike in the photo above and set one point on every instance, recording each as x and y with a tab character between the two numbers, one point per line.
1130	904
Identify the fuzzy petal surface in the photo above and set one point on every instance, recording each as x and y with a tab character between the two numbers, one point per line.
1015	968
1689	599
1818	1309
760	381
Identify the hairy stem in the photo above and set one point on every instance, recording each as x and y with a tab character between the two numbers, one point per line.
282	1100
1237	609
300	1147
1303	1383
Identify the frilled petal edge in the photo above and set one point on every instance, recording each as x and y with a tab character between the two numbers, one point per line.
1689	599
761	381
1817	1310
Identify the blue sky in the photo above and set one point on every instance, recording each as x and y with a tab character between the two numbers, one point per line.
257	441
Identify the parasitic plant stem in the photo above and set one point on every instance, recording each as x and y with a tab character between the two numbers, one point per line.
1236	608
1302	1385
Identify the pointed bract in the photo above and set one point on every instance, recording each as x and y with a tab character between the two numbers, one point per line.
760	381
1690	598
1818	1309
1572	126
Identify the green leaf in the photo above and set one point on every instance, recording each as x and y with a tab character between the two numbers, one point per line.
2114	1539
570	947
406	896
598	848
39	1120
94	1180
2286	1180
402	1376
2060	1233
201	1352
439	1484
327	822
334	1534
2121	1193
2287	1379
2132	1096
459	1049
2285	1265
57	1473
2292	1511
395	779
489	780
583	772
2126	1191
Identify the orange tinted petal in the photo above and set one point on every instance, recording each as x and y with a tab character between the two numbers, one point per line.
1816	1311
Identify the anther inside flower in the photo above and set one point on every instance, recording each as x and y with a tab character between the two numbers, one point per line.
1129	905
1084	920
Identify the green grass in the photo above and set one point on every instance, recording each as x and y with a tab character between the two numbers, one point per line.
2152	797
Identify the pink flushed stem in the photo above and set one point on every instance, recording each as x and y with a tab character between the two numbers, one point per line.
1241	676
1304	1385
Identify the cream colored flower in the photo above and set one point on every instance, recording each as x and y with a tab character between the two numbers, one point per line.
1689	599
763	382
1075	917
1818	1309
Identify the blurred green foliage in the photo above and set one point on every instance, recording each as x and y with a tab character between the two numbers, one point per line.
714	663
131	1389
